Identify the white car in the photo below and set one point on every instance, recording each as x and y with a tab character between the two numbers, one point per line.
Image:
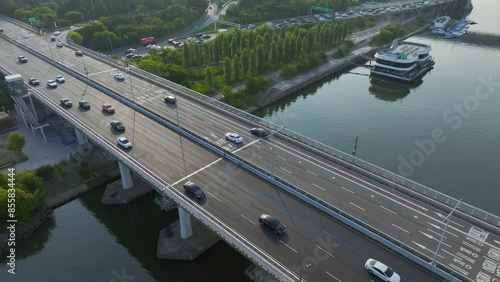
60	44
381	270
123	142
51	83
234	137
119	76
60	79
57	33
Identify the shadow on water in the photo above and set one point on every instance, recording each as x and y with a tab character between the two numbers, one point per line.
391	90
136	226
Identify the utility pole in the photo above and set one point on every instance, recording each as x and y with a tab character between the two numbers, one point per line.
444	232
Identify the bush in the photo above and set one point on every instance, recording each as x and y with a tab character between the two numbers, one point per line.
45	172
84	173
202	88
289	71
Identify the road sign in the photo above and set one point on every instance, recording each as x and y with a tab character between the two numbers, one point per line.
324	9
32	20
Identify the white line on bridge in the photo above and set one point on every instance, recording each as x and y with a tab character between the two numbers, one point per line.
288	246
319	187
256	155
325	251
333	276
160	147
388	209
498	242
285	170
400	228
281	158
214	197
464	273
159	160
241	198
357	206
248	219
311	172
347	190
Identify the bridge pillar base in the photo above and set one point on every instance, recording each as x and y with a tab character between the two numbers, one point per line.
185	221
126	176
171	246
114	194
82	139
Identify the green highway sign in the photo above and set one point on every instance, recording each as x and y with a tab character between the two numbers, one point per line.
324	9
32	20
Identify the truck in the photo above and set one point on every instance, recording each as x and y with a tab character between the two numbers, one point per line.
148	40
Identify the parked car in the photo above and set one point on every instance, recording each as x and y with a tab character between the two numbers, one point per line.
51	83
59	44
84	104
118	126
234	137
169	99
206	36
119	76
194	189
108	108
381	270
33	81
60	79
259	132
57	33
272	223
22	59
65	102
79	53
123	142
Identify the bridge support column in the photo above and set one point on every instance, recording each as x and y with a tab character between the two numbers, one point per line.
21	114
126	177
185	222
82	139
33	107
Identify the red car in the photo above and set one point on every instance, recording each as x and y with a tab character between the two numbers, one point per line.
108	108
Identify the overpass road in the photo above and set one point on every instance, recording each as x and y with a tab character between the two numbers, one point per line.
466	249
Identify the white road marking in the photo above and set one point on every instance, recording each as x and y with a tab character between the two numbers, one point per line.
357	206
286	170
160	147
333	177
187	177
256	155
288	246
256	145
281	158
420	245
182	161
347	190
241	198
464	273
159	160
400	228
319	187
466	258
471	246
311	172
498	242
333	276
214	197
325	251
388	209
436	233
248	219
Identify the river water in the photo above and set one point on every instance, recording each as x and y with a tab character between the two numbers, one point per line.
396	124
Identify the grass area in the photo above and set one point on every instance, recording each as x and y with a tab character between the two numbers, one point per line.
7	156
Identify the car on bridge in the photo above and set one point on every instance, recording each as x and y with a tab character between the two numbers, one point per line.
51	83
123	142
84	104
33	81
65	102
60	79
118	126
194	189
234	137
60	44
119	76
382	271
57	33
259	132
78	53
169	99
272	223
108	108
22	59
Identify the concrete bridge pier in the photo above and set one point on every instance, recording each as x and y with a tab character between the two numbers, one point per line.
185	222
82	139
126	176
124	191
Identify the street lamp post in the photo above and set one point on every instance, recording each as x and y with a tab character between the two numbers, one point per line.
304	266
180	137
50	49
110	44
87	13
133	102
272	160
444	232
85	68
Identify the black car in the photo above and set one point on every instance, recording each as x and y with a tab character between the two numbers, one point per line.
78	53
84	104
194	189
22	59
33	81
198	35
130	51
129	55
259	132
272	223
118	126
170	100
206	36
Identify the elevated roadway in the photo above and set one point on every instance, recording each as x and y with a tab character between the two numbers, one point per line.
411	222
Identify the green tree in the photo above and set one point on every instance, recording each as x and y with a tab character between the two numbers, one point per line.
209	78
253	63
16	142
227	70
236	67
187	56
76	37
260	58
3	180
28	181
75	17
245	61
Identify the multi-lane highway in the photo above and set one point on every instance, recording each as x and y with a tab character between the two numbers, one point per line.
238	198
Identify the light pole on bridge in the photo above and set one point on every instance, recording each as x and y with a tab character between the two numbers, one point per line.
272	162
444	232
110	44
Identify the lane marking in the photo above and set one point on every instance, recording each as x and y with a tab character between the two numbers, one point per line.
214	197
285	170
203	168
333	177
256	155
400	228
319	187
347	189
311	172
160	147
288	246
241	198
325	251
248	219
498	242
333	276
281	158
458	269
159	160
357	206
388	209
471	246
